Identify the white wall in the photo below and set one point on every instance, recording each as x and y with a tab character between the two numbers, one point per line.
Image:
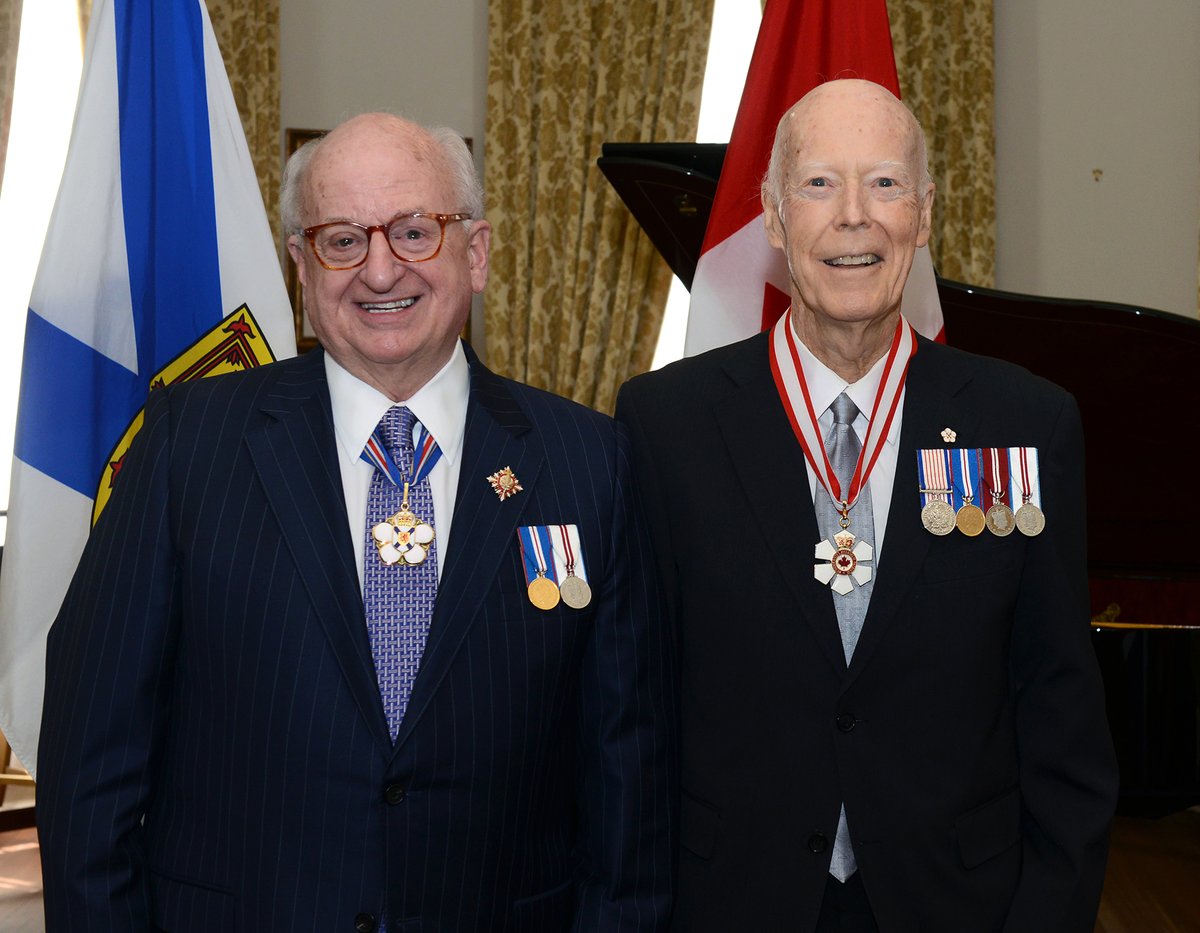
1108	85
1080	85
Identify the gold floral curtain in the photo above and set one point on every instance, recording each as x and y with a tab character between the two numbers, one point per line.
577	291
10	31
248	33
944	59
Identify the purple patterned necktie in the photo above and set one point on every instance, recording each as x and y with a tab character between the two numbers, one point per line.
398	598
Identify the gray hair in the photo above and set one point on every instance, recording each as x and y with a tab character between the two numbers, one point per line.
453	148
772	183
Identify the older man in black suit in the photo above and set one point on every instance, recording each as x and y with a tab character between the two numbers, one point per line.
892	718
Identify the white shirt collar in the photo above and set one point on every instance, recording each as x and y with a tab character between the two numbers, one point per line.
824	385
440	405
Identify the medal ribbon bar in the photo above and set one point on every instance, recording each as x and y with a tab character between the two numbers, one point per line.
965	471
1024	471
568	555
933	470
536	544
995	460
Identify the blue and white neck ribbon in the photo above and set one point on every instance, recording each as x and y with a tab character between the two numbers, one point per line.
426	454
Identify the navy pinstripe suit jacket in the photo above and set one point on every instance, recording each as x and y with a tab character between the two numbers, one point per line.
214	753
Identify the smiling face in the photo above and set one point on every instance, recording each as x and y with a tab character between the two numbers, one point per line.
853	203
392	324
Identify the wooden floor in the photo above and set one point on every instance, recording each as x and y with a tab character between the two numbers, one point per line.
1153	883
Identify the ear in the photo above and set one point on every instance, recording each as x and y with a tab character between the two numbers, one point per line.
773	221
478	248
926	216
295	248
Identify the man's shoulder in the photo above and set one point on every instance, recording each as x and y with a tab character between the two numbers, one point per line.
504	396
705	375
986	373
299	371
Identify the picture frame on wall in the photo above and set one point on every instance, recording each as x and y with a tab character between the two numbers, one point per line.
305	338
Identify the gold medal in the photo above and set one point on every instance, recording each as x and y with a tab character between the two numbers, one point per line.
970	520
1030	520
938	517
543	593
1000	520
575	592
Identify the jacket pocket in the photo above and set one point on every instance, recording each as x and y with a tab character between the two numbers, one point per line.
183	906
549	911
988	830
698	826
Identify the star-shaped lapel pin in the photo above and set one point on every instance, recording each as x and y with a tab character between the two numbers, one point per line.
505	483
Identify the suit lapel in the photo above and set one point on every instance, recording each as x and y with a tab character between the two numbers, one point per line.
769	464
930	405
306	497
498	434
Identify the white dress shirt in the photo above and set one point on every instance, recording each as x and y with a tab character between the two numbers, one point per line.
440	405
824	385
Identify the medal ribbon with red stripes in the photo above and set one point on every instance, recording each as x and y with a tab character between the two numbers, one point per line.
933	466
995	461
788	371
1026	487
426	454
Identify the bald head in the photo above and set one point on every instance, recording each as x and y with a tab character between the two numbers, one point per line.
380	133
842	108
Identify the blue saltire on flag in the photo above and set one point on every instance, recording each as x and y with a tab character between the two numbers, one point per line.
157	234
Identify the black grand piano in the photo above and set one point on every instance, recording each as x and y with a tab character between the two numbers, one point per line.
1136	375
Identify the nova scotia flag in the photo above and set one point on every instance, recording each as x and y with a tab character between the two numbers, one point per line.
157	236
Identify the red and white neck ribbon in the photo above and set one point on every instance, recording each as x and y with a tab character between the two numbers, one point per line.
788	371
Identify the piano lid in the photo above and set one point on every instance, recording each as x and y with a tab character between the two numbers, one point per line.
669	189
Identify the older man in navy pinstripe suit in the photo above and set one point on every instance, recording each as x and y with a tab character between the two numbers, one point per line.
217	753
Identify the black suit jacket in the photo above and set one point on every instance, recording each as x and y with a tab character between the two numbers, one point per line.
214	753
967	737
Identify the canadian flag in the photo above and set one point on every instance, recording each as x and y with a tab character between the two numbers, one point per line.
741	285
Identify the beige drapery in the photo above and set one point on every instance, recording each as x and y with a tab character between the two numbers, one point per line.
10	31
944	59
577	291
248	33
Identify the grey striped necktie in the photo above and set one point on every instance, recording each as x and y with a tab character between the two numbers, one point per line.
843	447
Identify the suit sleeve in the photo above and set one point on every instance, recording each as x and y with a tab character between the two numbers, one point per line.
628	733
1067	767
108	669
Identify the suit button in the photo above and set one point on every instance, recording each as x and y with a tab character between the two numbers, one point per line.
364	923
846	722
817	843
393	794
